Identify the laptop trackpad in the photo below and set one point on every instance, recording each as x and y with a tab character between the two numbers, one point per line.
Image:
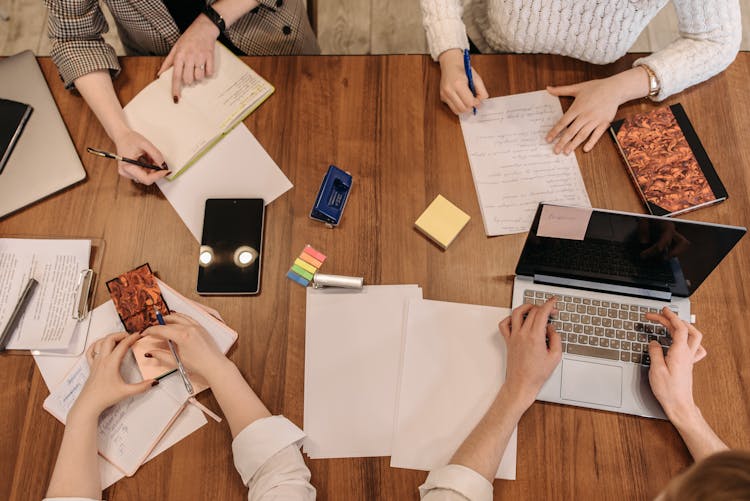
592	382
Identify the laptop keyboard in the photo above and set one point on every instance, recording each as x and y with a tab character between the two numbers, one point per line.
604	329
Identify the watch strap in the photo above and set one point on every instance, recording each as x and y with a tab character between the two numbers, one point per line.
215	18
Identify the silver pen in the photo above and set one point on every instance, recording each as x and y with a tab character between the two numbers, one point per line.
180	367
23	301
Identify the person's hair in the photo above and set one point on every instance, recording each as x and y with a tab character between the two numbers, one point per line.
724	476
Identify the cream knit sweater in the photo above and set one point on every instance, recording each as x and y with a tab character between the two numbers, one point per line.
597	31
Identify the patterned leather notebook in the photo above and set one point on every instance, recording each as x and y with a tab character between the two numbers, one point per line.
667	161
135	293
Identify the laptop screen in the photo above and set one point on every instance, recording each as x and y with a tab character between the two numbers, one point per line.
633	250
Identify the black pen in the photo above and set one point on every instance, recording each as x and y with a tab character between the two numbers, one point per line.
23	301
114	156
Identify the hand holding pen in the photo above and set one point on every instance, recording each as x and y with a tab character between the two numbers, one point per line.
454	82
180	367
141	161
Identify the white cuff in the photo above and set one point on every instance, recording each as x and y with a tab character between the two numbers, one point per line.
260	441
446	34
460	479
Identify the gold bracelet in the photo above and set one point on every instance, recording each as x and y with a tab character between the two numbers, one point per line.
653	82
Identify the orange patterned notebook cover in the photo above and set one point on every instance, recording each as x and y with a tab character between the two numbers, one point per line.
667	161
135	293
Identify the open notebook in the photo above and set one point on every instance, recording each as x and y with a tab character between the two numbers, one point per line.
206	111
129	430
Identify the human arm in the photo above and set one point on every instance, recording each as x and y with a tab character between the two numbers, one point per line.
97	89
265	447
710	35
446	37
671	379
530	361
76	472
193	55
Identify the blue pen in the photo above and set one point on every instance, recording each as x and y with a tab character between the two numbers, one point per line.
180	367
467	68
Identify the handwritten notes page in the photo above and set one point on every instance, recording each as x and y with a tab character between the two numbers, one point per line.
514	168
129	430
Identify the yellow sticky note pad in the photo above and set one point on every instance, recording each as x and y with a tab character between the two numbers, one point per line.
442	221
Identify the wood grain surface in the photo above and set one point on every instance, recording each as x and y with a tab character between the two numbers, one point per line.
380	118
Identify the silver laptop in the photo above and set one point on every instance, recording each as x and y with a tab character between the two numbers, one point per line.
44	160
608	269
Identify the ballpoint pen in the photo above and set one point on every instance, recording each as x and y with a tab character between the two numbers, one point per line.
467	69
113	156
23	301
183	373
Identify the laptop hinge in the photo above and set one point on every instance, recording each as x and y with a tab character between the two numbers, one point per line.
623	290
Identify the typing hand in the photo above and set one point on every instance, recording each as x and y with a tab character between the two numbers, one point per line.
105	386
454	85
530	360
132	145
192	56
671	377
593	109
196	348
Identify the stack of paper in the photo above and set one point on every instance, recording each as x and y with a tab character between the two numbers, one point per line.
514	167
148	424
353	344
453	366
388	373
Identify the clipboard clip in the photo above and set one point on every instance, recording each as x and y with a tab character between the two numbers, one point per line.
83	290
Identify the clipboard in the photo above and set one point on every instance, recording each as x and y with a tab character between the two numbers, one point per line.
83	293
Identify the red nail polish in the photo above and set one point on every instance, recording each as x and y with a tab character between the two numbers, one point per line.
175	99
154	382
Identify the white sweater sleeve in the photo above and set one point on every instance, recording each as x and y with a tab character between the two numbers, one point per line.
442	23
710	35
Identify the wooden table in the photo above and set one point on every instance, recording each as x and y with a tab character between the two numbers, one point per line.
381	119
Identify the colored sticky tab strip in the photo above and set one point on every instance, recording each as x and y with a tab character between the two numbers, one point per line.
296	278
303	273
309	259
317	255
305	266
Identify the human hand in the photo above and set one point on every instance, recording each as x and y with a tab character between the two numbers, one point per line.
198	351
454	85
530	361
105	386
671	377
192	56
593	109
130	144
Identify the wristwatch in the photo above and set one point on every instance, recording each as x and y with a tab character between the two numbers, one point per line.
653	82
215	18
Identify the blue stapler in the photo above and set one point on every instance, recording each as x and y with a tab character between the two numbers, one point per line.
332	196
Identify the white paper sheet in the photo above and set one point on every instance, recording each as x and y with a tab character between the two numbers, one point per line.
47	323
453	366
514	168
129	430
236	167
353	343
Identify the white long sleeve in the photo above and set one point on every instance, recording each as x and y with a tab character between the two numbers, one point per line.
596	31
454	482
